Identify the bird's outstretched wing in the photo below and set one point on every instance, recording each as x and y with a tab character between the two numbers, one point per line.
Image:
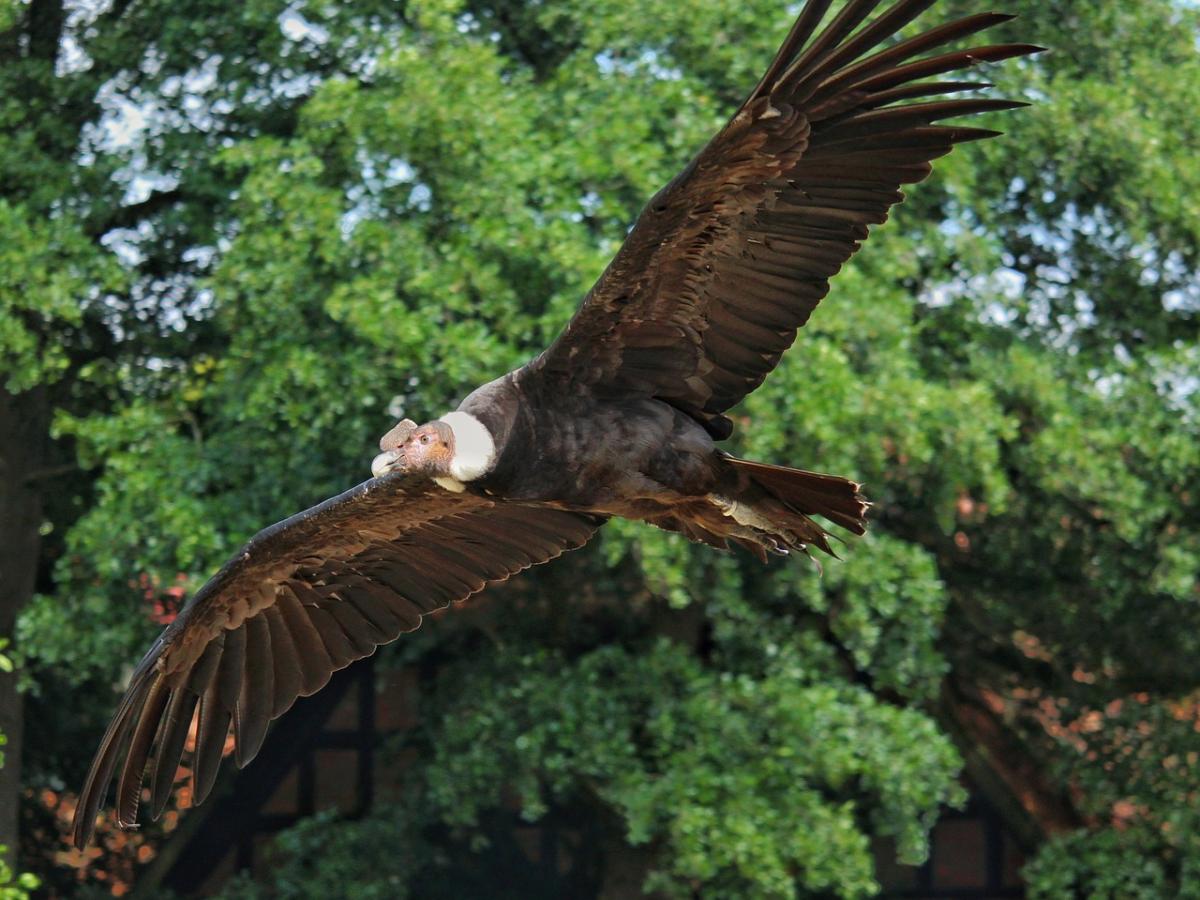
304	598
728	261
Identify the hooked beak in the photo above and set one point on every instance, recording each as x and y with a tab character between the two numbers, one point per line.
387	461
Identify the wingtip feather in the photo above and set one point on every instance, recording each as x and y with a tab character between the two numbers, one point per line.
100	774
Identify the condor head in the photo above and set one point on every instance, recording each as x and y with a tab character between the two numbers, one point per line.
426	450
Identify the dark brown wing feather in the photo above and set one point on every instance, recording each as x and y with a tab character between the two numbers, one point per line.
304	598
728	261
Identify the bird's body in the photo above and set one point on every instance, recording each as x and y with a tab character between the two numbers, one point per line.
631	457
620	417
592	453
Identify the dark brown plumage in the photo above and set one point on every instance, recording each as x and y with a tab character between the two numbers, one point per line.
304	598
617	417
730	259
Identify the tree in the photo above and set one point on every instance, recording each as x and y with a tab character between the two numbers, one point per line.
372	212
113	117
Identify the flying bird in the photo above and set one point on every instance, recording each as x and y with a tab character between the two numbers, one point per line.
618	417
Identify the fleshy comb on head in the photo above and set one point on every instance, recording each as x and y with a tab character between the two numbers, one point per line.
399	433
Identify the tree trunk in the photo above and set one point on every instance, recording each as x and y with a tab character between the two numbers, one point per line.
24	437
1004	770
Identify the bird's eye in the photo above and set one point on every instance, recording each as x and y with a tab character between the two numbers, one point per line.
425	439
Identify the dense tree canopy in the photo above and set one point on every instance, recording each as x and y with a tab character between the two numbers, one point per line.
241	239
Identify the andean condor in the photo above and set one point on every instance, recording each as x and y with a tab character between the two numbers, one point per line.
618	417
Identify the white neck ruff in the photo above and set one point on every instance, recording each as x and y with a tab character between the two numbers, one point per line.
474	449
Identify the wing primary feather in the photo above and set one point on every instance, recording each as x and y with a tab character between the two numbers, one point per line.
212	729
407	612
850	77
882	28
177	723
509	543
337	643
228	681
582	526
143	687
129	786
917	90
384	623
423	590
151	726
802	29
217	707
313	658
357	629
201	674
931	140
172	736
822	48
453	561
253	711
943	63
895	120
284	663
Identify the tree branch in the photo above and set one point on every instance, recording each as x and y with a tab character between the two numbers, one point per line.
1004	769
51	472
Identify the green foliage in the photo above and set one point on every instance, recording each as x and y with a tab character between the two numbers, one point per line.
366	219
715	768
325	857
1106	865
14	886
48	273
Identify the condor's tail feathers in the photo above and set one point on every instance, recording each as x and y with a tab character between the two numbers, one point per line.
810	493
